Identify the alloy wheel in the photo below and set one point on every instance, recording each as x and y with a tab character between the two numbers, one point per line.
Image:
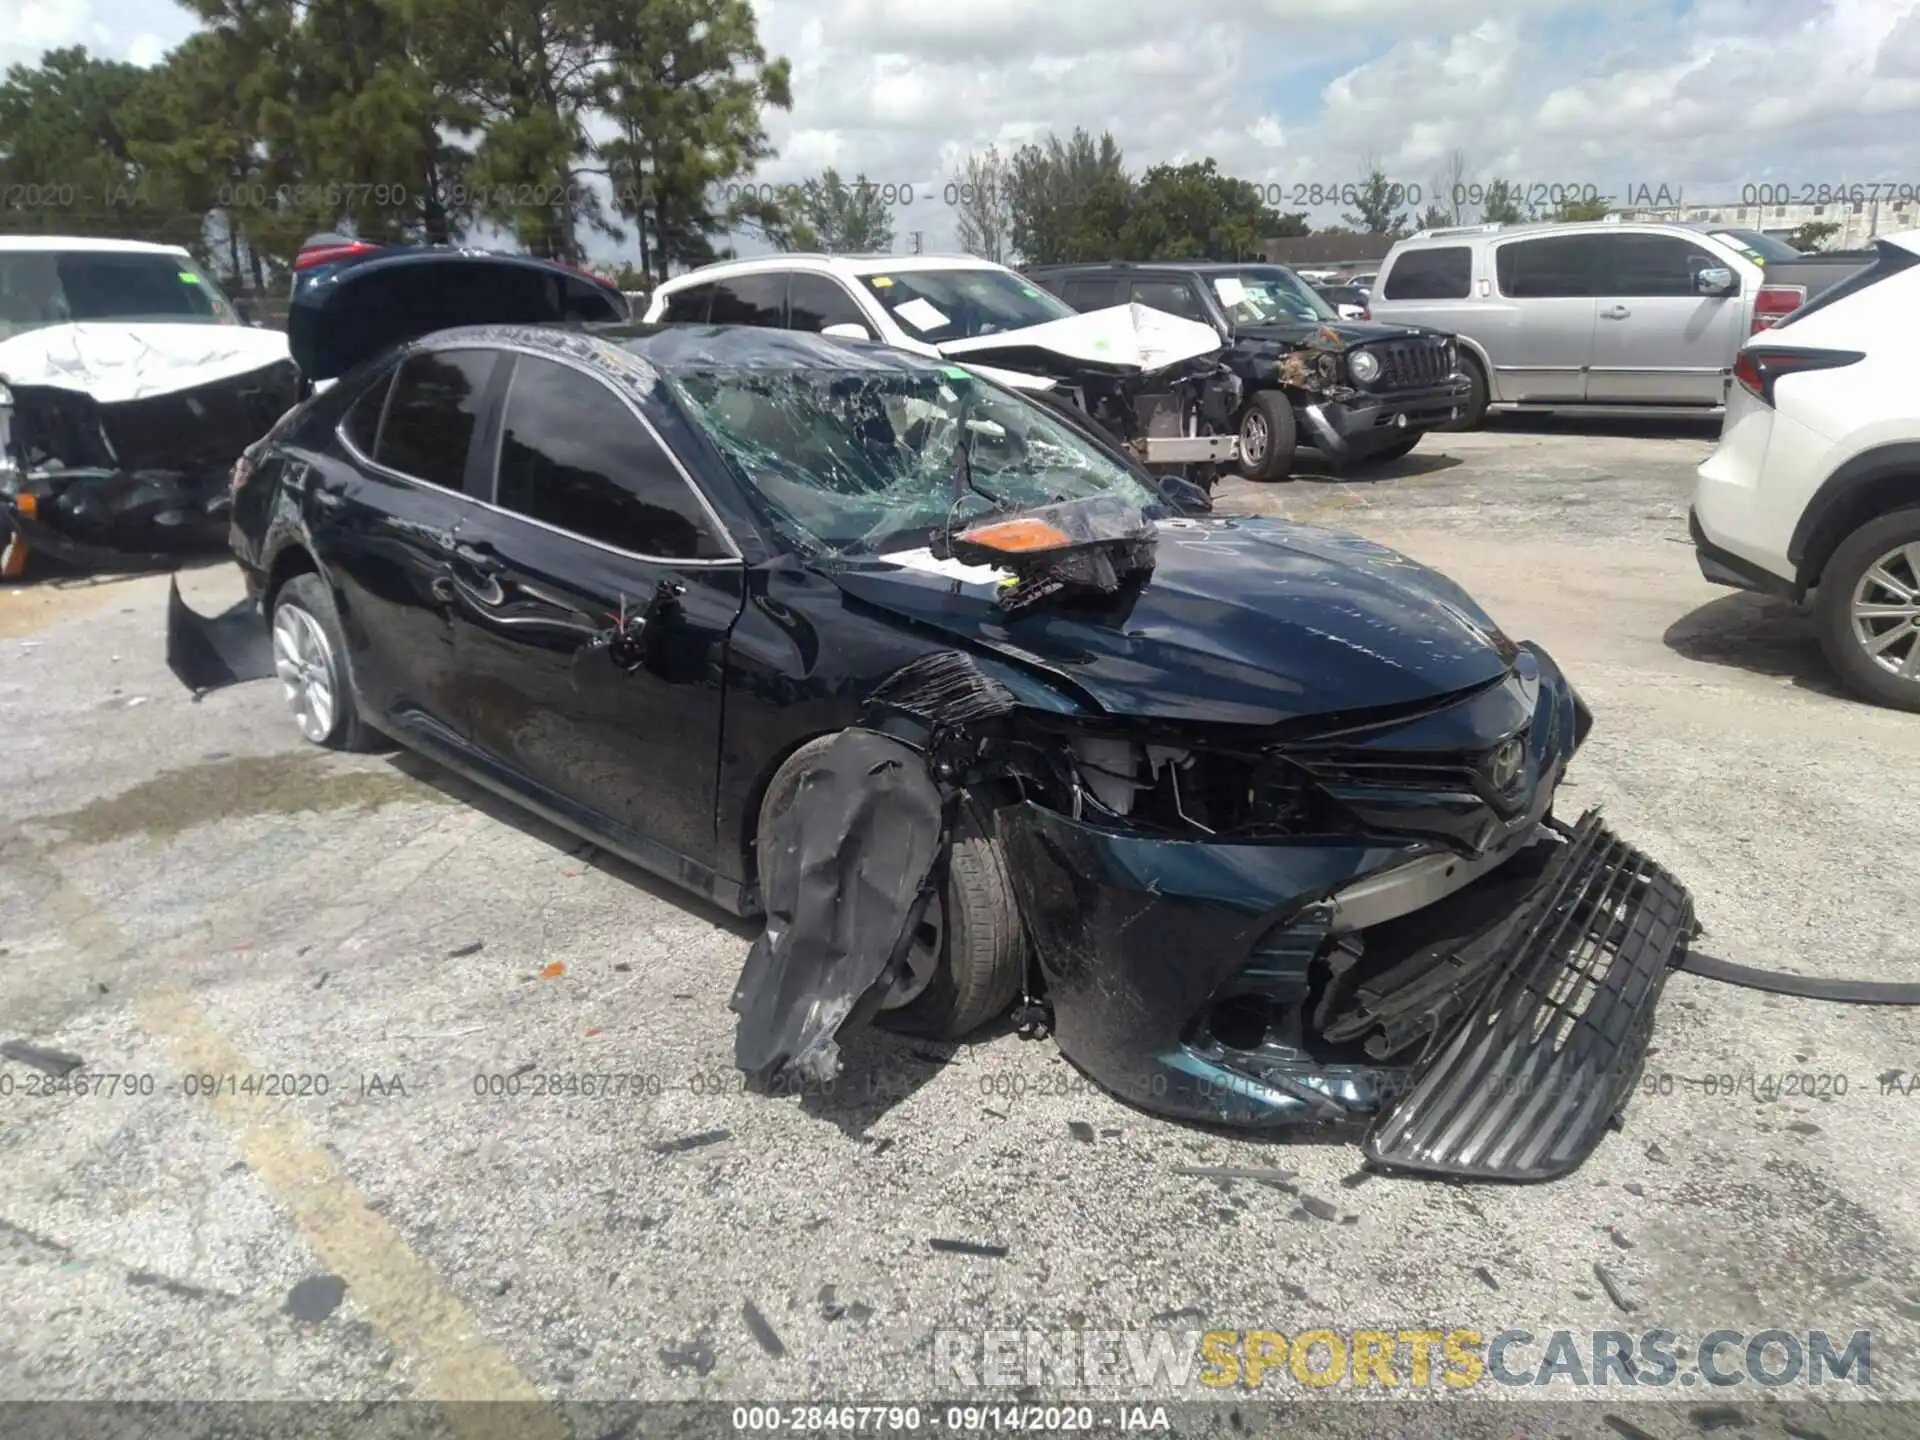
1886	612
304	662
1253	438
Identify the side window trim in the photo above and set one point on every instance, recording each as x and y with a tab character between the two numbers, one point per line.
829	278
720	531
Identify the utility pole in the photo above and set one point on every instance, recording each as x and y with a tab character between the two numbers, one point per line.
916	242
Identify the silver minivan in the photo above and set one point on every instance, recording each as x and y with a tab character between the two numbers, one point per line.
1600	317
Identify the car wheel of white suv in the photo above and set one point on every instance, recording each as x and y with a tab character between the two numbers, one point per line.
1869	610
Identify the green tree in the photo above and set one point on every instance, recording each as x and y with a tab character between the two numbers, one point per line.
1501	206
829	214
1434	217
1069	199
1192	211
1594	209
1378	203
67	154
1814	235
981	194
683	85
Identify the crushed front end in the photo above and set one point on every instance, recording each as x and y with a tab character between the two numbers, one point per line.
132	483
1355	396
1384	925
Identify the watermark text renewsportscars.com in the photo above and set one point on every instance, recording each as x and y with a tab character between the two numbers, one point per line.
1167	1361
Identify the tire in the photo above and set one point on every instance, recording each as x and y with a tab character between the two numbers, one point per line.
1267	430
1395	451
1475	410
1889	545
306	633
981	954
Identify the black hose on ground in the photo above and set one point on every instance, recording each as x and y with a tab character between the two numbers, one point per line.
1806	987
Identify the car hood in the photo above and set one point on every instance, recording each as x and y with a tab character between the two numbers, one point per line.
117	361
1351	332
343	314
1244	620
1121	337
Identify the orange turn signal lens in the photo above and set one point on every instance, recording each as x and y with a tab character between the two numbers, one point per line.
1018	536
27	505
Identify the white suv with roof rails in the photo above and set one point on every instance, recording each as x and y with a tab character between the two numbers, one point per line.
1587	318
1815	484
913	302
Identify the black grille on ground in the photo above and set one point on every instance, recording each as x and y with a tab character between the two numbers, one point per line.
1530	1080
1411	364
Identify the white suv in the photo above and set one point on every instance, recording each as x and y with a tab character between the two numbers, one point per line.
1815	484
912	302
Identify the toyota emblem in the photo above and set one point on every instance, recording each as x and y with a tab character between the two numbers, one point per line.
1503	769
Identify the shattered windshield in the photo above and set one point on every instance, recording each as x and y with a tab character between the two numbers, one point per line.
859	461
39	288
936	306
1261	297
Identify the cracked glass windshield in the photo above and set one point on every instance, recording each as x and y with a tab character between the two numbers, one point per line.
863	461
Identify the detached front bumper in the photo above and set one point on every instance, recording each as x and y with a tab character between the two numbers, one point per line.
112	519
1354	429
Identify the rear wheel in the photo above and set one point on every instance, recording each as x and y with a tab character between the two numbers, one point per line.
1267	436
968	955
309	659
1474	409
1868	610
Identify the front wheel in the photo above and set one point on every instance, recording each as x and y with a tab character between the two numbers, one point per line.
969	953
1473	409
1267	436
1867	609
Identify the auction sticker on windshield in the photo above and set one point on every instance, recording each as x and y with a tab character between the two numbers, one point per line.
921	315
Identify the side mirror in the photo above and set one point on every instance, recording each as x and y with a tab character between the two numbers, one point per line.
848	331
1716	280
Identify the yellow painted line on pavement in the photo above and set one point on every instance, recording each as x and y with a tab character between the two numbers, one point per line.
483	1394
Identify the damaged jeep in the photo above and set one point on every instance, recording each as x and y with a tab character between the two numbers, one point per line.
972	709
1353	390
128	389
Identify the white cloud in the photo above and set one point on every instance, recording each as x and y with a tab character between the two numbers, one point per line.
1299	92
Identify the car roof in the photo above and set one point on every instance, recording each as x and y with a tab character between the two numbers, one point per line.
1204	267
825	264
93	243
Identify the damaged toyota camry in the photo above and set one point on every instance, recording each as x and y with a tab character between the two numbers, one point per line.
974	711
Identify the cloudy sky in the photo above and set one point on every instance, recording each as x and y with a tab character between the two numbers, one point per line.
1701	96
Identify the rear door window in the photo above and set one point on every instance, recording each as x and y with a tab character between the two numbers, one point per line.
1557	267
688	305
751	300
1090	292
816	301
574	456
432	414
1442	273
1176	297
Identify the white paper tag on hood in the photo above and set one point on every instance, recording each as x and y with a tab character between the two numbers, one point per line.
114	361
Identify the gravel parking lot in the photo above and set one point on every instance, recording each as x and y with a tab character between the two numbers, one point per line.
187	890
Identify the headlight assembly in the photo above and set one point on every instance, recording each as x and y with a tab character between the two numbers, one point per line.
1365	366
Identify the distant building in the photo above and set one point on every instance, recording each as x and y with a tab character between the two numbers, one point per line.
1859	220
1346	253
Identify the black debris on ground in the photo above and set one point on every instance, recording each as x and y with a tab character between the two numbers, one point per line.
1618	1239
1356	1179
1318	1208
1485	1277
1636	1189
690	1142
968	1247
1081	1131
316	1297
465	950
1259	1174
1715	1417
1627	1428
1612	1287
692	1356
762	1331
1656	1154
832	1307
56	1063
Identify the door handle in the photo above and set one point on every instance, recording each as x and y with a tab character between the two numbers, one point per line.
1617	312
